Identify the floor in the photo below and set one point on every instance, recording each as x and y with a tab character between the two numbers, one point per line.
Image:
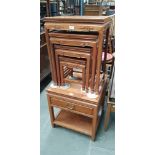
61	141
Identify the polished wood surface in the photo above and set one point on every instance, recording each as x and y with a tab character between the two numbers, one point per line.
94	24
73	35
79	114
75	122
73	54
75	45
72	65
76	107
75	92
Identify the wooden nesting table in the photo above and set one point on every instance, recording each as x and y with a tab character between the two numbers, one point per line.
75	42
87	31
77	111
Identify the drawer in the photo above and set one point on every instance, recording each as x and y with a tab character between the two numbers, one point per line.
64	103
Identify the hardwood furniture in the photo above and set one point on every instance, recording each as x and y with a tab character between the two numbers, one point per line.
80	40
79	24
76	42
72	63
68	52
78	112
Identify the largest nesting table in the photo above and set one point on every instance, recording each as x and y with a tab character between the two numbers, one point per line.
77	111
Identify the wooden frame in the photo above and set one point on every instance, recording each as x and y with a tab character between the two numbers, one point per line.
78	112
73	54
81	115
72	65
51	57
82	24
81	43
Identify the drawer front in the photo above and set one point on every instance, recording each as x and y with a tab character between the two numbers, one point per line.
71	106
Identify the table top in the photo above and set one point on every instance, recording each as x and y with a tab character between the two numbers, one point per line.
78	19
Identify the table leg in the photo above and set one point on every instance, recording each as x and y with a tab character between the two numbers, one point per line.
94	124
87	73
83	78
58	68
51	111
51	57
93	68
99	59
62	74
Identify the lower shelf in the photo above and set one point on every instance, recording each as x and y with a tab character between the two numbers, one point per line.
74	122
